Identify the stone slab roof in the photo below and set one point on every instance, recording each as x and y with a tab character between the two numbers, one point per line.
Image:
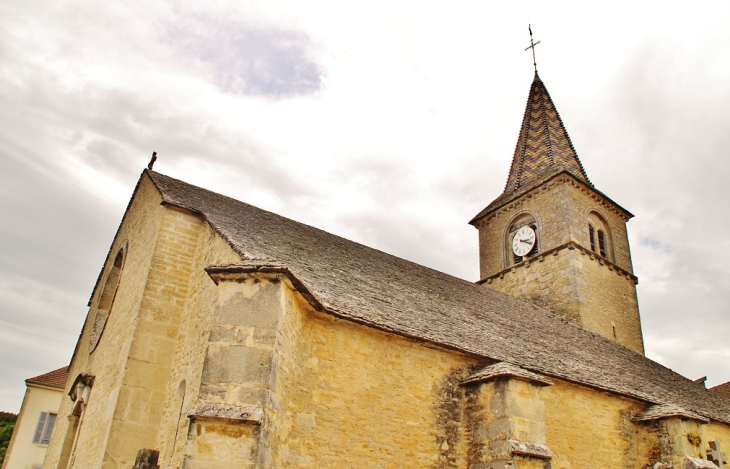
505	369
370	287
663	411
723	389
52	379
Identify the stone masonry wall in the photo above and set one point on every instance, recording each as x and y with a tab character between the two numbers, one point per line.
352	396
574	283
239	372
550	206
560	207
589	428
141	401
140	229
498	414
579	286
190	348
719	432
582	201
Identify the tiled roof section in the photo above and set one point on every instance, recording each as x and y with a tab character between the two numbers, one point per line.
54	379
543	141
383	291
723	389
664	411
506	369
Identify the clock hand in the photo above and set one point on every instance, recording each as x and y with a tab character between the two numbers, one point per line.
526	241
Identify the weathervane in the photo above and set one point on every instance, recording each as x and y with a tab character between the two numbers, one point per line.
532	46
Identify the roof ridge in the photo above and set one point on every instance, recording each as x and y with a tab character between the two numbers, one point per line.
56	378
253	257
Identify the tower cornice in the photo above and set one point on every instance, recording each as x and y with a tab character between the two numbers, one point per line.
544	182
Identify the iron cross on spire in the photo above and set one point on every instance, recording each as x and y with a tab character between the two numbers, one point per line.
532	46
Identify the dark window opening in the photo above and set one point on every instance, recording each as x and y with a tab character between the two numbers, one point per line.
602	243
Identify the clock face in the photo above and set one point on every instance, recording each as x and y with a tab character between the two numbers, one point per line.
524	241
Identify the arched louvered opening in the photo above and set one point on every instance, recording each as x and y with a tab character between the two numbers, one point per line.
599	236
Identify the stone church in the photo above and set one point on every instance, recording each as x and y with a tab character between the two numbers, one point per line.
220	335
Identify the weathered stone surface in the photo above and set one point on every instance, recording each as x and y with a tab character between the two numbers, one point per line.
207	410
597	293
534	450
254	311
663	411
146	459
237	363
504	369
697	463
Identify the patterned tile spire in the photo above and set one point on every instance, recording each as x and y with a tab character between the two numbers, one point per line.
543	142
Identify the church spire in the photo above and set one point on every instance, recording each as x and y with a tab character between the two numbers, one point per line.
543	142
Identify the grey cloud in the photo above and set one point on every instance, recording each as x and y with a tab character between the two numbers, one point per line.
398	220
249	59
55	231
672	171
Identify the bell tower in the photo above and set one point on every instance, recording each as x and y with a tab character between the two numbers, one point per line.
551	237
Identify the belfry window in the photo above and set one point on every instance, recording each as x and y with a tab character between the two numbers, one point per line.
599	238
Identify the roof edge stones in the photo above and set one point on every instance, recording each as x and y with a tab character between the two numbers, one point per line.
536	184
505	369
234	270
721	388
228	413
532	450
666	411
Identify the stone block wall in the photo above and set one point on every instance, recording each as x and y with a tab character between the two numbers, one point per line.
560	207
140	407
549	205
566	277
504	423
353	396
184	383
139	230
590	428
577	285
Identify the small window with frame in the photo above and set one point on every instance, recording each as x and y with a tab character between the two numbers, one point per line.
44	428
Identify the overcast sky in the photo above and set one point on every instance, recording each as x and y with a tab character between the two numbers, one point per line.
390	123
